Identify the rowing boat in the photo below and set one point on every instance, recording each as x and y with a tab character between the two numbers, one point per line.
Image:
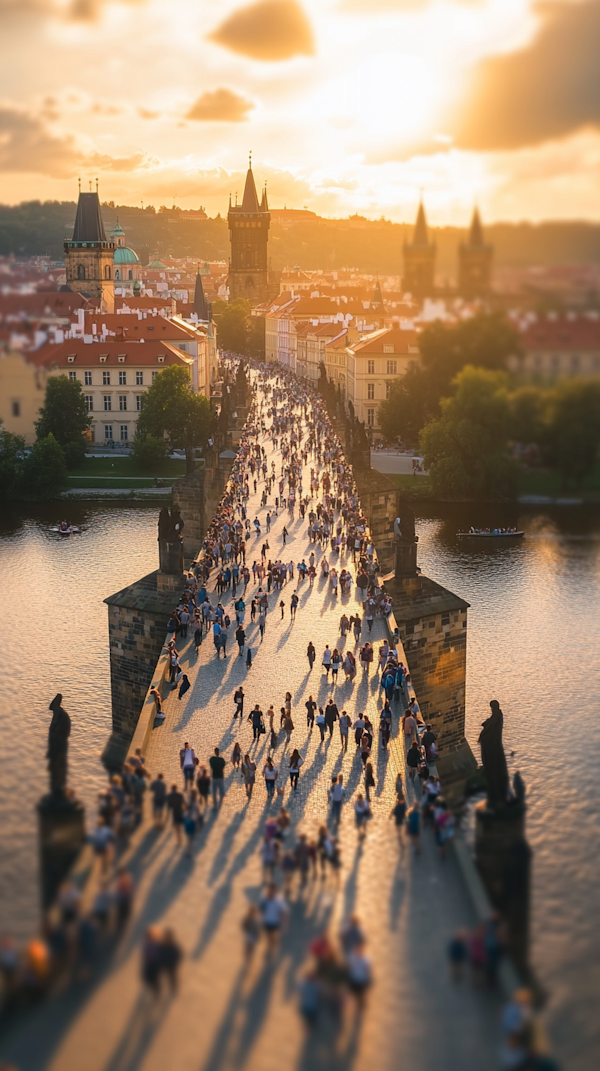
493	534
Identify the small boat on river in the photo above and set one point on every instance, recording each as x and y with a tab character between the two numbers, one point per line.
65	529
491	533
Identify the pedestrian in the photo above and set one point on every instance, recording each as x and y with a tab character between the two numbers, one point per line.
240	636
176	803
369	780
360	975
311	655
409	728
251	931
428	741
326	660
258	725
184	686
336	661
262	620
151	949
282	608
296	761
321	723
270	774
249	775
337	794
191	819
217	766
311	706
198	637
203	786
359	728
158	791
398	813
170	958
236	756
344	729
385	730
187	761
274	911
293	606
362	811
413	759
458	954
413	827
238	698
331	715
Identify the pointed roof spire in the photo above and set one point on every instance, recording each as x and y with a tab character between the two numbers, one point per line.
264	204
377	296
476	231
421	234
250	201
88	221
200	303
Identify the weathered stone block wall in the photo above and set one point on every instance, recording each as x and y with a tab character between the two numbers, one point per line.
137	625
379	501
197	496
436	648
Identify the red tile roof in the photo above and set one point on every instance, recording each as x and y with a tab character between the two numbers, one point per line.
404	342
570	332
88	354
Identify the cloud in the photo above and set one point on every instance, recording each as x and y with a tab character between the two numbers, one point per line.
27	145
543	92
99	108
134	162
145	113
220	106
375	7
74	11
268	30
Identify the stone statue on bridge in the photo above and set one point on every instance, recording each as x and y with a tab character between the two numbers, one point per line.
58	743
170	543
493	758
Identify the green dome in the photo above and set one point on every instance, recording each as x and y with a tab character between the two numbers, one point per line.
125	255
118	231
137	286
156	265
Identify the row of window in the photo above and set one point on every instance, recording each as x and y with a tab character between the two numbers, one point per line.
81	272
392	368
107	402
109	433
371	390
87	378
574	363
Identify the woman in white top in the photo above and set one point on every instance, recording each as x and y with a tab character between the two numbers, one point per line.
270	773
326	659
296	761
324	566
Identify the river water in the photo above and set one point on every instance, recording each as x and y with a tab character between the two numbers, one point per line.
533	643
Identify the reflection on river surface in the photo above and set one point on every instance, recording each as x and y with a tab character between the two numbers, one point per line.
533	643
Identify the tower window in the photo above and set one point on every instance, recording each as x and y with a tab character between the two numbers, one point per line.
80	271
107	271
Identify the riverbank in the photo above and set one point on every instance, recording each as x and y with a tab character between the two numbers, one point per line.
535	488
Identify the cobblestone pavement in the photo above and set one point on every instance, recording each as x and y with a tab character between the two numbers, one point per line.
228	1016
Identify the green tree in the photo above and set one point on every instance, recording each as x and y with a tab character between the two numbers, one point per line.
64	415
11	463
232	320
412	401
255	343
45	470
572	431
149	450
466	449
171	409
527	422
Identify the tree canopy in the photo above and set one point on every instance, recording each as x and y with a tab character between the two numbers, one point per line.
45	470
466	449
483	341
232	320
64	414
571	435
171	409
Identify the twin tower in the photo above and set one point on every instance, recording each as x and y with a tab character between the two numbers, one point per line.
474	262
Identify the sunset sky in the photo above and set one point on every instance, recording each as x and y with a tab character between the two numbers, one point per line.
347	105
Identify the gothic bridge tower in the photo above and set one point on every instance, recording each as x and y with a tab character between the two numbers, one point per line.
419	260
475	263
249	236
89	254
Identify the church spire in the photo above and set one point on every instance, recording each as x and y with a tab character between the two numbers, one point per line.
421	234
476	232
200	303
250	201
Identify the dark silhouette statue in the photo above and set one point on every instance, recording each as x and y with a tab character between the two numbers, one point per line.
170	525
493	757
404	525
58	743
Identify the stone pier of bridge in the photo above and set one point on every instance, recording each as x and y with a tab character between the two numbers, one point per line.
228	1014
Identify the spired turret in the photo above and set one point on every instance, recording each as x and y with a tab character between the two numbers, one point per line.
475	260
89	254
419	260
249	236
